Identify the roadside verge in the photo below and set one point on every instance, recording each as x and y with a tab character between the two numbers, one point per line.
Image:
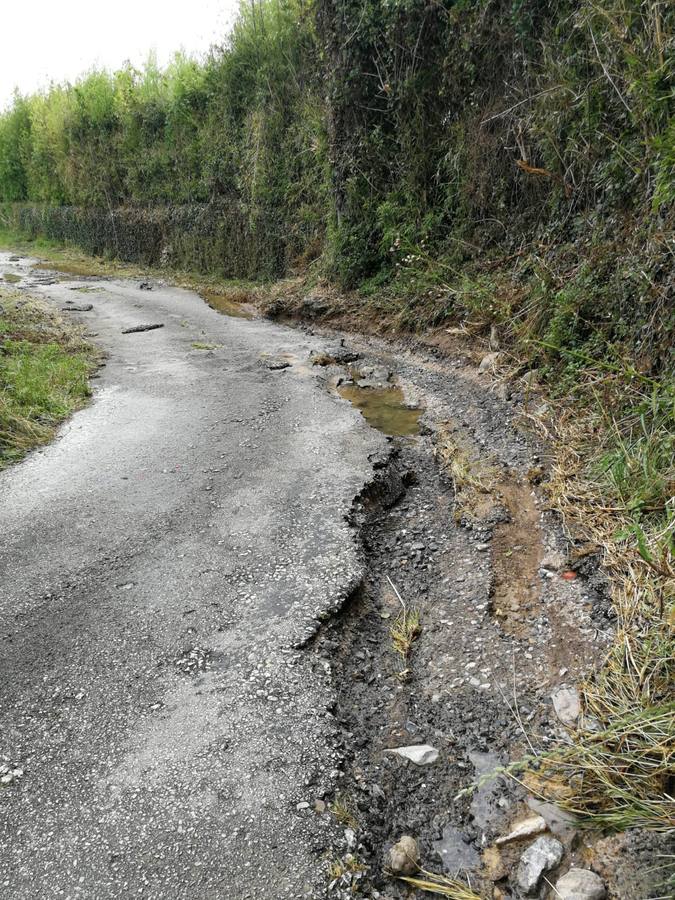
45	366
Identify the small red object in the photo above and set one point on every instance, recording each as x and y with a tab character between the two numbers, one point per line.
569	575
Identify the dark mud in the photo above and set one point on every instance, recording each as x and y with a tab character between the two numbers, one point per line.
436	568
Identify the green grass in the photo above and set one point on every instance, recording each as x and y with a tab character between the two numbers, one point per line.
11	239
44	373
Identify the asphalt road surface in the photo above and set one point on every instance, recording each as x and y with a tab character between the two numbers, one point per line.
159	563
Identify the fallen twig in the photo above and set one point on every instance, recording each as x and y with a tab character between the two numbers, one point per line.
142	328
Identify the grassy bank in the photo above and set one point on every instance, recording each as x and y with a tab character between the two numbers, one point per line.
45	365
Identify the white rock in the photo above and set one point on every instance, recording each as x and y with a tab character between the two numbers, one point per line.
542	856
404	856
525	828
420	754
580	884
566	704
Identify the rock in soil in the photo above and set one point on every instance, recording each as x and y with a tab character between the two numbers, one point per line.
420	754
566	705
488	362
404	856
580	884
542	856
523	829
553	561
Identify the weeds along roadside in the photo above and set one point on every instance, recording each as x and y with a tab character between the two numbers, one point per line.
612	439
613	481
45	364
69	259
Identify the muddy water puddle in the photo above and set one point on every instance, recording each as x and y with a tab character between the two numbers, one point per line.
383	408
228	305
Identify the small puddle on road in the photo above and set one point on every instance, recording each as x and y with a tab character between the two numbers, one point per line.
226	305
383	408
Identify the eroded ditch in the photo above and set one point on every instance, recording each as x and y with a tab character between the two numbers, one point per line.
414	550
465	540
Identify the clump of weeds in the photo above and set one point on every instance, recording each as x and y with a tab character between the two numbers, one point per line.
343	811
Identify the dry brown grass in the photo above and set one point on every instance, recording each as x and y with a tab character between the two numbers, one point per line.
405	629
474	478
433	883
620	764
344	812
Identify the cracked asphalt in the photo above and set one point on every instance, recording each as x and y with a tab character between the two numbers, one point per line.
160	562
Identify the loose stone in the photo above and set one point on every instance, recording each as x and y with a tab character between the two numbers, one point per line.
542	856
404	856
525	828
580	884
420	754
566	704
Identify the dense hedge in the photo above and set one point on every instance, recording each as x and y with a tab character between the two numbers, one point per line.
402	142
212	237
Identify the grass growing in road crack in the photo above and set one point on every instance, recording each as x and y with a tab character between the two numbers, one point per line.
45	365
405	629
343	811
347	873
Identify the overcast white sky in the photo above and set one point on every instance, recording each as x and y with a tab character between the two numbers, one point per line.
57	40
